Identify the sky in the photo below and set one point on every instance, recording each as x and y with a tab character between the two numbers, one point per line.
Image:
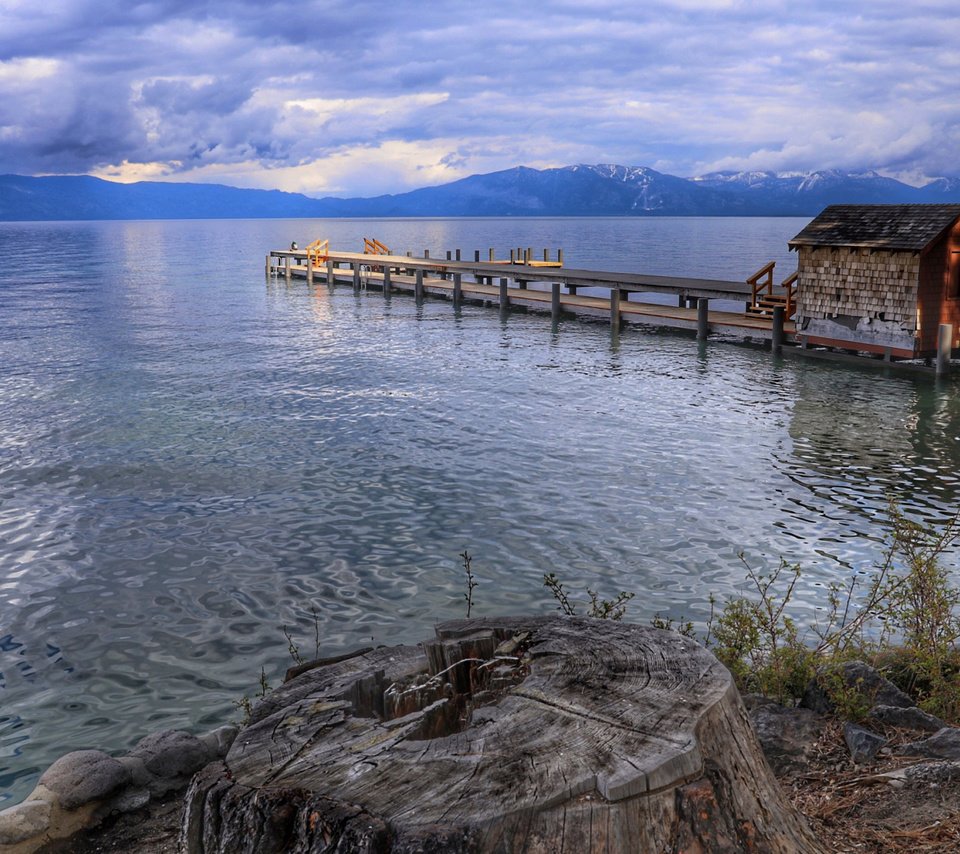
362	98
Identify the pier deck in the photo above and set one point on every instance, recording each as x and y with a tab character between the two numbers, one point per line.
475	280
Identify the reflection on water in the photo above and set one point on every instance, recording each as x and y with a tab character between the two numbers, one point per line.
192	459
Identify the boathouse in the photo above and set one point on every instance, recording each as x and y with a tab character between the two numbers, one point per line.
879	278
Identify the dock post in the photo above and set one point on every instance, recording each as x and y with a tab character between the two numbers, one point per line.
560	256
418	286
386	281
572	290
521	284
512	256
329	272
490	256
504	299
309	269
615	308
546	254
449	256
528	257
286	267
457	289
458	255
356	276
776	342
267	270
944	347
703	316
476	256
555	301
426	253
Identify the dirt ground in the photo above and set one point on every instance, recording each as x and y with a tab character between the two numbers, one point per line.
853	809
857	809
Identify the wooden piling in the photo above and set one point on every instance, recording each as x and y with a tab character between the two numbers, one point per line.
504	299
309	269
476	256
286	267
944	347
267	265
458	255
555	300
386	281
776	341
490	256
330	272
418	286
457	289
560	257
703	318
356	276
615	308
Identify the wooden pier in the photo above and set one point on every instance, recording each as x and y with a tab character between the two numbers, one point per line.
546	285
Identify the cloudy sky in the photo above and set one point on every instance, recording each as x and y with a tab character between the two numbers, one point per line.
360	97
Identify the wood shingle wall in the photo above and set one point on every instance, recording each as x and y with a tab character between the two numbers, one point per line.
861	283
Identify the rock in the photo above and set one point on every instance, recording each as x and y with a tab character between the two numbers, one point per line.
84	776
786	735
944	744
218	741
912	718
172	754
862	743
139	775
753	701
24	821
858	676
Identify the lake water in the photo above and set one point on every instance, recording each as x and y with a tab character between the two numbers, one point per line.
192	458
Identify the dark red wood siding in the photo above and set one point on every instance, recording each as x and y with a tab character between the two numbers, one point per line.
938	295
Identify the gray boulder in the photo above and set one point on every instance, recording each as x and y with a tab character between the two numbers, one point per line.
858	676
84	776
786	735
862	743
172	754
943	744
912	718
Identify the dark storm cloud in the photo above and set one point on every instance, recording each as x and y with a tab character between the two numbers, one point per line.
367	97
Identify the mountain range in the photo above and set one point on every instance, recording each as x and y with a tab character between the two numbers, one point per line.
582	190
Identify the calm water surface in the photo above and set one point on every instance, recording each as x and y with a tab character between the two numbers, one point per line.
192	459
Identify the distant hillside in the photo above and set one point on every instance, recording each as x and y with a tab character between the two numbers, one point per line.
582	190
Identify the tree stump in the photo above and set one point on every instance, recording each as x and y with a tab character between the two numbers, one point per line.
539	734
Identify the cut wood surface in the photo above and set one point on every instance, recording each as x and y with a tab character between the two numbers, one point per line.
514	734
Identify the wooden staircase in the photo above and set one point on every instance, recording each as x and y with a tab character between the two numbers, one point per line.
765	297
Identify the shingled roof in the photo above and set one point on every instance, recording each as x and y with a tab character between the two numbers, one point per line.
878	226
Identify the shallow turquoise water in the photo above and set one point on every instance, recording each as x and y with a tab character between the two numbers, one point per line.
192	458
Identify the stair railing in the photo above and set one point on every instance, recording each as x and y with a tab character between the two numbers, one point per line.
318	252
760	282
372	246
789	285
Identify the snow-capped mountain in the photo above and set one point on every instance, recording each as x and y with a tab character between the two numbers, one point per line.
580	190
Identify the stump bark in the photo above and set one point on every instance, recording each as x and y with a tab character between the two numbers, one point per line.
541	734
